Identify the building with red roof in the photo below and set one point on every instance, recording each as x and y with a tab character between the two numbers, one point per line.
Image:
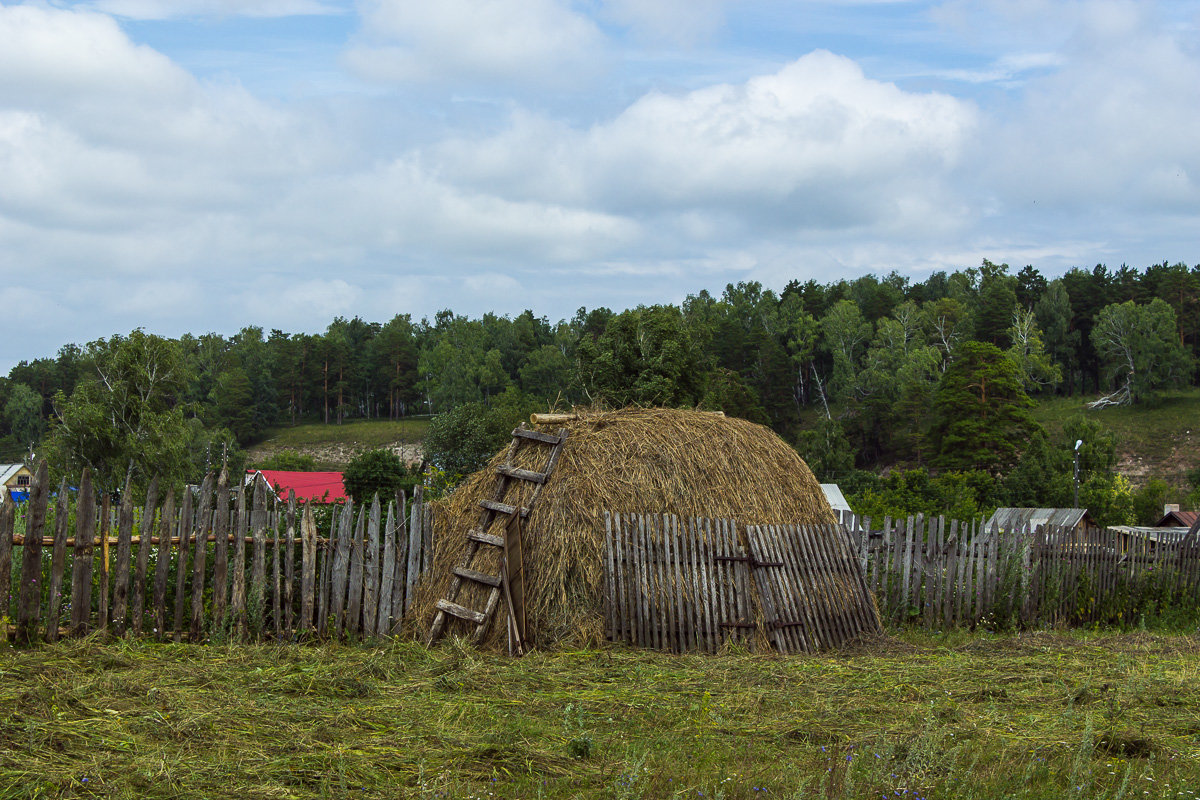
316	487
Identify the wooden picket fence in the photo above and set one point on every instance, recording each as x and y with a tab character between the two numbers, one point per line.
219	562
940	575
693	585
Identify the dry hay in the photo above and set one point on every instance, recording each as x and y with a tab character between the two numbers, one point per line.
687	463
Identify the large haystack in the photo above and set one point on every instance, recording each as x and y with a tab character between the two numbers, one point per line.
687	463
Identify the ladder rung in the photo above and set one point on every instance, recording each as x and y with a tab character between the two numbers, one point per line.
486	538
503	508
477	576
455	610
536	436
522	474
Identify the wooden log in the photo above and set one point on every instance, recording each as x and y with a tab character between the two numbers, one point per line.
256	608
186	527
7	524
289	565
552	419
166	522
354	600
200	558
81	578
138	590
121	563
29	595
237	566
58	560
220	579
371	570
387	574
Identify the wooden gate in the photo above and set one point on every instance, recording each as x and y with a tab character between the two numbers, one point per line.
696	584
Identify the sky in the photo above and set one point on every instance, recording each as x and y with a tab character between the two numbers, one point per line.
203	165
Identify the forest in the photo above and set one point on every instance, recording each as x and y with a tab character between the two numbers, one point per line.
913	395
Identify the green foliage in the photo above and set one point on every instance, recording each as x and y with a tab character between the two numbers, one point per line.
1148	501
644	357
23	413
462	440
1140	350
981	414
901	493
124	412
726	391
826	450
377	472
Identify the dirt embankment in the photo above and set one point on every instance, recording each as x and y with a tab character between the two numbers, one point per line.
336	455
1173	467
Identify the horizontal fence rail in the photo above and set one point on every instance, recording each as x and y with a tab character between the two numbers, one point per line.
216	562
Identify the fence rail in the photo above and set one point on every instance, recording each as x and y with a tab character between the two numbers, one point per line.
215	562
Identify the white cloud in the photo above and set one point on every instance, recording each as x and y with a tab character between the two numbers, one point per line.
679	21
814	145
171	9
539	41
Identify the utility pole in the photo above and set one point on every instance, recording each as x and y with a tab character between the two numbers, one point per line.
1078	444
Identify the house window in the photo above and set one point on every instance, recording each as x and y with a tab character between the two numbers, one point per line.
22	480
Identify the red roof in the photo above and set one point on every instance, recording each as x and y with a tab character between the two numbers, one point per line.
320	487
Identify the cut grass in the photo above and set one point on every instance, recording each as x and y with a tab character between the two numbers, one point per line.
1038	716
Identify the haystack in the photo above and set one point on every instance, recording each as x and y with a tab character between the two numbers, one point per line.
687	463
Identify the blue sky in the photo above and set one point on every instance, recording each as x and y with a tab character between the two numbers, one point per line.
201	165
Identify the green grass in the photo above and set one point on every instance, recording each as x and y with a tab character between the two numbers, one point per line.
957	716
1164	435
366	434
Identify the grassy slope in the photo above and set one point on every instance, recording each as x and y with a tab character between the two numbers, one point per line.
334	445
1156	440
959	717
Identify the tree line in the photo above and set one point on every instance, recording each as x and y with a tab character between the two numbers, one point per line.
857	373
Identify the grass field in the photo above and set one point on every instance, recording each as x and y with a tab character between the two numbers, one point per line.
958	716
364	433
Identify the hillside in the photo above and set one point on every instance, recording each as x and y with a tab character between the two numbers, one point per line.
332	446
1161	440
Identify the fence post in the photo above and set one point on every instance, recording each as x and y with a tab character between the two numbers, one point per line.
81	578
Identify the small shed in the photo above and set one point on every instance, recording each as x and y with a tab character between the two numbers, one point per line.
1174	518
1016	519
316	487
16	479
837	501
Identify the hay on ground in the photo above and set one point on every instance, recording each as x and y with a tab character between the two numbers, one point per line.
686	463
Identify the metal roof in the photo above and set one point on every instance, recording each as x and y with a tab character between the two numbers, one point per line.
1011	519
1167	536
837	501
7	471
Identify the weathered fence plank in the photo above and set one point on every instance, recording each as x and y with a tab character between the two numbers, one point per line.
58	560
122	561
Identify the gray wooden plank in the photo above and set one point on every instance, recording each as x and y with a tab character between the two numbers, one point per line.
387	573
29	593
102	566
341	569
122	562
137	604
81	579
166	528
200	559
185	529
354	599
237	568
371	572
256	598
58	559
8	520
400	598
220	579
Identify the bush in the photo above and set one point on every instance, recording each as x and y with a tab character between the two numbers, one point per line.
378	472
288	461
463	440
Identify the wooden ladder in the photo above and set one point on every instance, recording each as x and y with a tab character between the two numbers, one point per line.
492	511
